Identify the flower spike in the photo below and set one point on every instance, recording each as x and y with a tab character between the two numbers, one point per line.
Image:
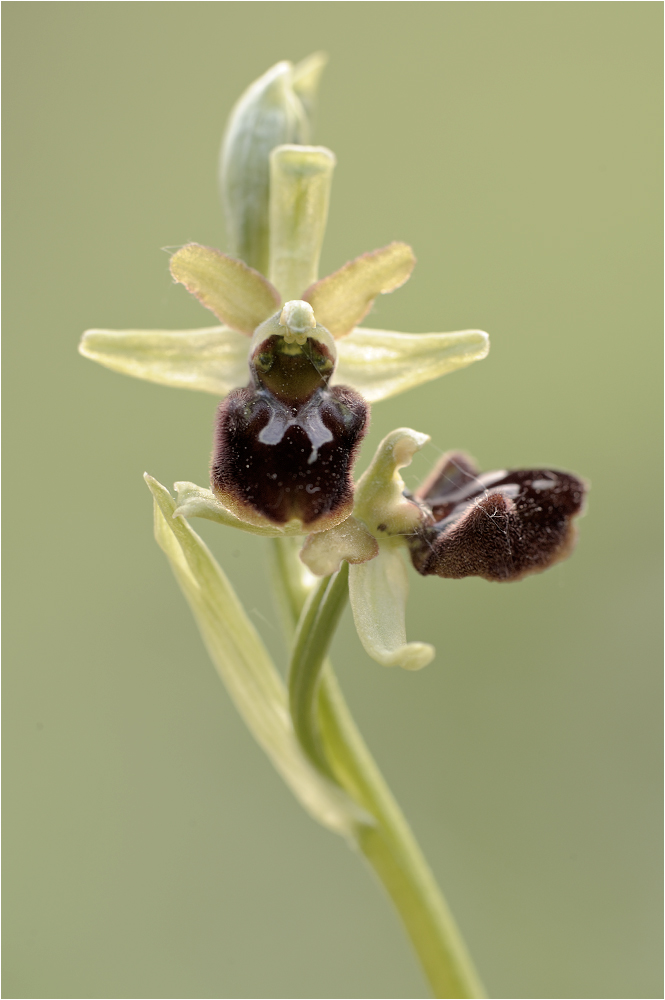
288	362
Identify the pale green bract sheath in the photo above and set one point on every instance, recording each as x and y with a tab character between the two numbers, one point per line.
276	191
245	667
378	590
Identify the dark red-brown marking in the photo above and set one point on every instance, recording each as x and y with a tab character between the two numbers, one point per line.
501	526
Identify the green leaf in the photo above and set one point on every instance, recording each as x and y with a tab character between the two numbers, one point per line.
245	667
213	359
237	294
378	590
300	180
380	363
344	297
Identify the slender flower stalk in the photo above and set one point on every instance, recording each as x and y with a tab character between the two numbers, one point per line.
296	374
324	723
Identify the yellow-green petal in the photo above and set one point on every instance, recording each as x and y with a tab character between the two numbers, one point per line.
378	590
195	501
243	664
381	363
237	294
212	359
341	300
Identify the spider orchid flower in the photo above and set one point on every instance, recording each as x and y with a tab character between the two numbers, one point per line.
295	372
500	525
293	366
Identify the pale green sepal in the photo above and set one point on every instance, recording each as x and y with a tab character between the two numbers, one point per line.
245	667
268	114
306	77
195	501
212	359
343	298
380	363
324	551
378	590
300	180
379	499
237	294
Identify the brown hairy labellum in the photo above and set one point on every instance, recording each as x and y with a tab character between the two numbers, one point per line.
497	525
285	444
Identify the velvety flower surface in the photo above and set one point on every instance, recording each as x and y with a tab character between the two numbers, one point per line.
296	376
285	445
497	525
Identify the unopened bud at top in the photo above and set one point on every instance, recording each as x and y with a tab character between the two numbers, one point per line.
273	110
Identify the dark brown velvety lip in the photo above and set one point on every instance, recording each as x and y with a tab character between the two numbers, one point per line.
286	462
500	525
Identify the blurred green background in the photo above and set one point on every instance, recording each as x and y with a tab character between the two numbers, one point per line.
150	850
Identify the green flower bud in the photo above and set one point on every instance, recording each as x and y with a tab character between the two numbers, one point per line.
300	180
270	113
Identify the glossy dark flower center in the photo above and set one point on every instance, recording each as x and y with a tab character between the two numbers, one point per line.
285	444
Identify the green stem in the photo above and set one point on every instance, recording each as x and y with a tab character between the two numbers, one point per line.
393	852
316	627
388	844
